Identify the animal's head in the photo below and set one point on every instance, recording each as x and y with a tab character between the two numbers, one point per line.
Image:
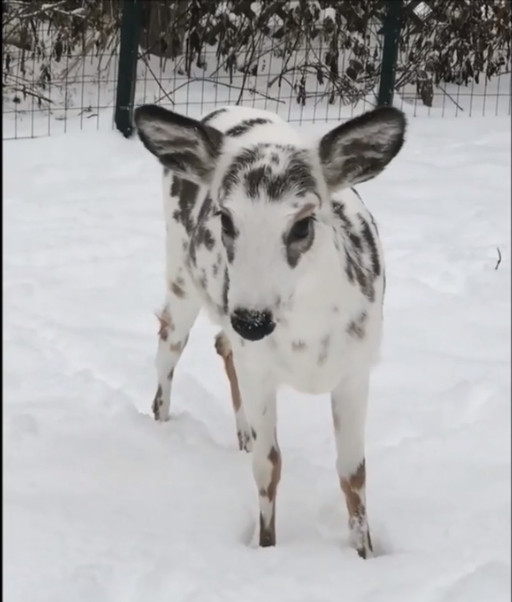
271	196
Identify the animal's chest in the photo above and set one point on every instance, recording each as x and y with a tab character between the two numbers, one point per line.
309	361
308	346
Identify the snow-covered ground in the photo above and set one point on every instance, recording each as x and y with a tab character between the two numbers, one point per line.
101	504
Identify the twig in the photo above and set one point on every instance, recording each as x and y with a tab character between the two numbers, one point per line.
246	72
452	99
166	95
34	94
499	258
217	83
30	15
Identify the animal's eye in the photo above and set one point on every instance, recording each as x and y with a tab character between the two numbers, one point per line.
301	229
228	229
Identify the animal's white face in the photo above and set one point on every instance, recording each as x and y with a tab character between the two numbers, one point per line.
271	200
267	198
265	245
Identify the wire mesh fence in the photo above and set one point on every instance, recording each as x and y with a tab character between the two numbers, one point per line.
296	88
58	74
61	63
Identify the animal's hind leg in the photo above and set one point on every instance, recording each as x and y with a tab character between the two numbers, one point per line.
176	319
243	430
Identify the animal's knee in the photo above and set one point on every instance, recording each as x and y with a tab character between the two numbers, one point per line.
222	344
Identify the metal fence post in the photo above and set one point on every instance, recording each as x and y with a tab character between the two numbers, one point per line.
391	30
127	68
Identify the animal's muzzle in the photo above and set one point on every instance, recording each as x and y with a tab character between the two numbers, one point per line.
252	325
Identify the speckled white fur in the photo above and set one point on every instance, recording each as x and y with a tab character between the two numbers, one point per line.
312	348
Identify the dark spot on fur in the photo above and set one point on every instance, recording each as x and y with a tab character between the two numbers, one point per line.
356	327
267	529
298	174
261	178
165	324
217	264
225	291
246	158
208	240
243	440
296	177
254	179
324	349
202	235
187	197
176	347
356	241
358	523
371	245
192	253
203	280
339	211
267	533
213	114
362	262
230	250
177	289
158	402
273	455
245	126
356	273
176	186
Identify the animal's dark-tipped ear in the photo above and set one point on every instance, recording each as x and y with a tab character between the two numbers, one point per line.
182	144
360	149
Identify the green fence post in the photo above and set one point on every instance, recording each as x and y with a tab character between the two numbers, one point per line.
391	30
127	68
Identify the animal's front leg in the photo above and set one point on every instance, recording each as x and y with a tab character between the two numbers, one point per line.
260	404
243	430
349	404
176	319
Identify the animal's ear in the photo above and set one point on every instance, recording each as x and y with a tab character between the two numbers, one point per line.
184	145
360	149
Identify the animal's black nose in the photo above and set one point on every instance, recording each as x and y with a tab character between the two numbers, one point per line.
252	325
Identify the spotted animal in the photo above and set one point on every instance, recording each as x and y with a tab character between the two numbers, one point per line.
266	233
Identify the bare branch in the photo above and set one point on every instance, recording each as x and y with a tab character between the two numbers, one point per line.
31	93
217	83
499	259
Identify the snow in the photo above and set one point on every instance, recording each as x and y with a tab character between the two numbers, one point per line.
102	504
